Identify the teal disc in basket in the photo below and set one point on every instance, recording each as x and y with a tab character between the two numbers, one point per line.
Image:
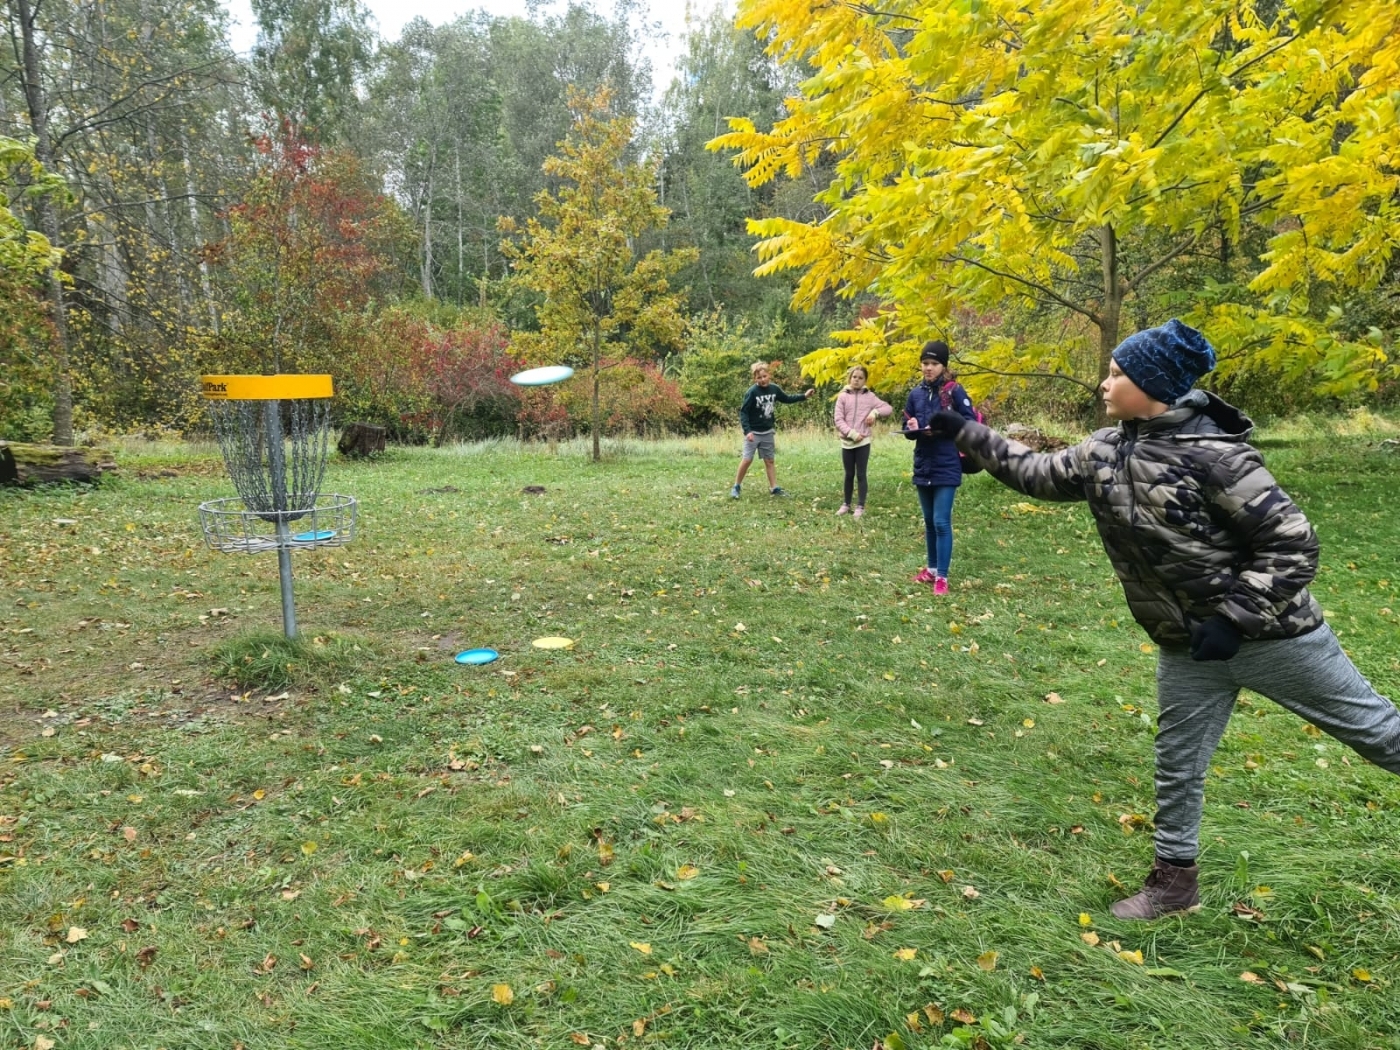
313	537
477	656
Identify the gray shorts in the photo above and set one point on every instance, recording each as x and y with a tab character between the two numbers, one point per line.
761	446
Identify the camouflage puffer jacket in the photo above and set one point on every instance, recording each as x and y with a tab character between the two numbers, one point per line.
1192	521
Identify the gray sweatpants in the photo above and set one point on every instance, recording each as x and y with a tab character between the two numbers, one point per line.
1310	676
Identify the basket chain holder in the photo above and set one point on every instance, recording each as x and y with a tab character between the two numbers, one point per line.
277	471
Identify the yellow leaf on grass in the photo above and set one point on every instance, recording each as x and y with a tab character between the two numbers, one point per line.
894	902
639	1027
1146	647
1090	938
1085	919
76	934
1249	977
987	961
308	848
905	954
1134	957
1361	975
502	994
687	871
933	1013
579	1039
641	946
260	794
1037	973
43	1042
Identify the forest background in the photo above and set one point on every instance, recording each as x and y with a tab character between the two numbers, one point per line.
423	216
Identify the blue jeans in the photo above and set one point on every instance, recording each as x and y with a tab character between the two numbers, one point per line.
937	503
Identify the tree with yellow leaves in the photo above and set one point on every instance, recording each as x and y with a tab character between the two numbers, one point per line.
581	253
1083	157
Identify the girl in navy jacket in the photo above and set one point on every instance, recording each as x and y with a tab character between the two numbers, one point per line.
937	467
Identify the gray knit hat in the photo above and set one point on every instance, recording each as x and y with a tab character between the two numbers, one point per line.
1165	361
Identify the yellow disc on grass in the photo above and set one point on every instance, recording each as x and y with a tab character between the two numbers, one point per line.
553	643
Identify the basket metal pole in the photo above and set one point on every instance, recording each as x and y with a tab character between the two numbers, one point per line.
277	464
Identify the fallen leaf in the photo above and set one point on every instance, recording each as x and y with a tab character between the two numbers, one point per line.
963	1016
1085	919
129	833
946	875
1037	973
905	954
641	946
43	1042
639	1027
934	1014
987	961
687	871
1134	957
146	955
1249	977
1361	975
579	1039
76	934
975	722
1054	698
826	922
502	994
970	893
1090	938
757	947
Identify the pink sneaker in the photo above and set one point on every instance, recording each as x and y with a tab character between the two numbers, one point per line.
924	576
858	512
940	585
843	509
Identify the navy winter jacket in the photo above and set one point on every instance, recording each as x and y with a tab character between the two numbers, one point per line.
936	459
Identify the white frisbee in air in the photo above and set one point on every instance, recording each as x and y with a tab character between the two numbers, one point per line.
542	376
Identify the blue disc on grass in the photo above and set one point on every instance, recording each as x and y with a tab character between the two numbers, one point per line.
477	656
313	537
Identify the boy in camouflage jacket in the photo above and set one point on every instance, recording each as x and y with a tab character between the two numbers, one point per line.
1214	559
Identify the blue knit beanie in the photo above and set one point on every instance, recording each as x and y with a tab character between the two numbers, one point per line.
1165	361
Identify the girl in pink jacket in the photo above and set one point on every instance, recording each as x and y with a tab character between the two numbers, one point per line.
856	409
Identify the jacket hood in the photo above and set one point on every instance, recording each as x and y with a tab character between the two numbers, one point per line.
1200	415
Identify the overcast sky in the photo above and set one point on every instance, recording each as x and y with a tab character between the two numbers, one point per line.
392	15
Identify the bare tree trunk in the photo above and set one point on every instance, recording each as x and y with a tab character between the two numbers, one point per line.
597	367
196	231
48	225
428	241
1114	289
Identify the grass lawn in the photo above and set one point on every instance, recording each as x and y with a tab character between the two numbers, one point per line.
777	796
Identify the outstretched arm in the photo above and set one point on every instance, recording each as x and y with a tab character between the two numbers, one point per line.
1058	476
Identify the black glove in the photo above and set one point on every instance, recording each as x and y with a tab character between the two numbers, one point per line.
1215	639
945	424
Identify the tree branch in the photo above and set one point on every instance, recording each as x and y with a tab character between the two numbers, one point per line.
977	369
1205	91
1049	293
1156	265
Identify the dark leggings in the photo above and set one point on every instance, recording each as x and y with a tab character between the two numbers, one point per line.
855	461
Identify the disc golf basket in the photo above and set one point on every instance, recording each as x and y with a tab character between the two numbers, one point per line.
273	432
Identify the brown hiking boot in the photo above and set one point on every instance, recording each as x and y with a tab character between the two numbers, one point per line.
1169	890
